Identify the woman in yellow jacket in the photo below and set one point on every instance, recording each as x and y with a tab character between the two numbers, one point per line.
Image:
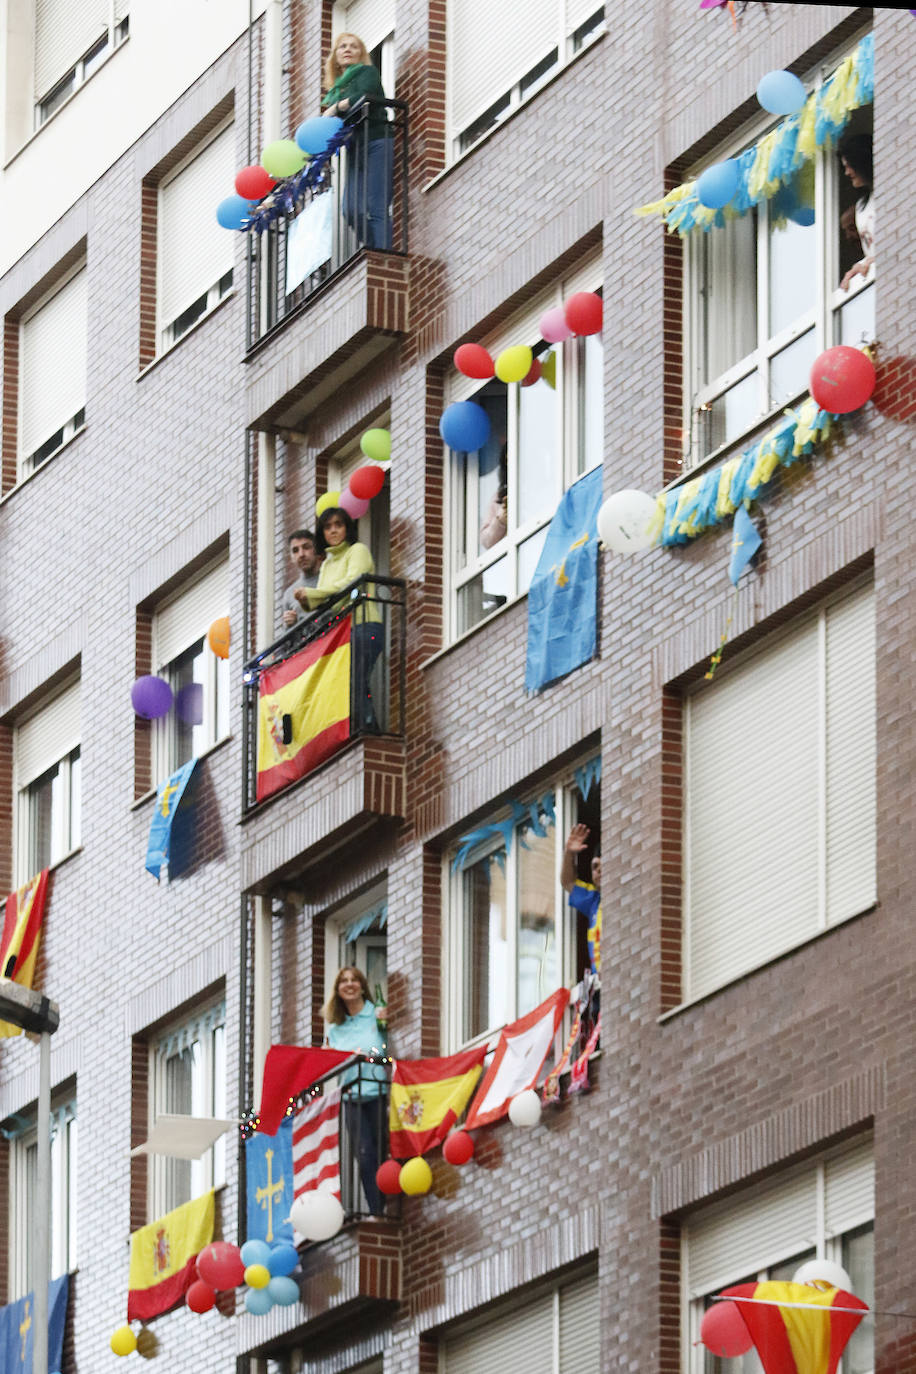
346	559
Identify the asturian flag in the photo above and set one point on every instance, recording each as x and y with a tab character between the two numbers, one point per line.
521	1051
163	1257
304	710
795	1327
269	1183
427	1097
17	1329
316	1144
169	839
22	919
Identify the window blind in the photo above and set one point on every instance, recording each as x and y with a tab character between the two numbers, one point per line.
48	736
528	1337
64	32
194	251
186	616
370	20
490	51
53	364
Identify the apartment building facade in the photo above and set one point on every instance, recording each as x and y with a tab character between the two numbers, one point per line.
173	408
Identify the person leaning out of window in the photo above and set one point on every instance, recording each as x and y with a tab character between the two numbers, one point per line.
855	152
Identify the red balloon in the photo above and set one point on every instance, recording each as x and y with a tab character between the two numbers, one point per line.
367	482
220	1265
253	182
200	1296
722	1331
584	312
533	374
842	379
458	1147
388	1177
474	361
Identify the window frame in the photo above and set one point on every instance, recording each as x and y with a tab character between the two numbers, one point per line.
67	769
23	1138
98	52
48	448
210	1170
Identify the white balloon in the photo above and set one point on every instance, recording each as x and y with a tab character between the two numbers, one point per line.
317	1215
823	1273
525	1108
624	519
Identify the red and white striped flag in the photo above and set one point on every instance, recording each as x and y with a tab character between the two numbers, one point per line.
316	1145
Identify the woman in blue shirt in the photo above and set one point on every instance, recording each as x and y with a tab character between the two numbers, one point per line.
351	1017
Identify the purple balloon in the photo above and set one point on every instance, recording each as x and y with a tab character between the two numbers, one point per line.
553	326
151	697
353	505
190	703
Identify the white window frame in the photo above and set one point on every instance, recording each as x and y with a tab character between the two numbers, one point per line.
462	493
835	1214
71	425
64	1157
825	317
205	1029
66	769
117	31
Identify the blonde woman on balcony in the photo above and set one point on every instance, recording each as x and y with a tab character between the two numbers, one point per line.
346	559
350	76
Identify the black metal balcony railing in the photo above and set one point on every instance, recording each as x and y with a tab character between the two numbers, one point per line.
363	1134
376	608
358	199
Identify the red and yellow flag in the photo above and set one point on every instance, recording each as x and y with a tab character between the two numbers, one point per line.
21	930
163	1257
312	690
427	1097
794	1326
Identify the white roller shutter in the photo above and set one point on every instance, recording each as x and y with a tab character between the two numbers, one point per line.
186	617
64	31
849	1190
529	1336
48	736
735	1239
580	1327
194	251
53	364
370	20
491	47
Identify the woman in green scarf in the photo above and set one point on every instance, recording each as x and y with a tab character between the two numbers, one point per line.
349	76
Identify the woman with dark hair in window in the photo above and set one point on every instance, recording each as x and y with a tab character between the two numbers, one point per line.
855	152
353	1025
351	76
346	559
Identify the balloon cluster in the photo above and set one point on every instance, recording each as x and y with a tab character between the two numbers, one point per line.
413	1178
366	481
152	697
265	1270
124	1342
281	159
464	425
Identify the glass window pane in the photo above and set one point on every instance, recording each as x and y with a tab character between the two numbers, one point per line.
58	837
178	1094
727	296
218	1107
789	369
222	697
528	556
40	822
793	275
71	1192
537	972
486	946
76	810
538	458
591	403
192	730
730	414
857	316
483	594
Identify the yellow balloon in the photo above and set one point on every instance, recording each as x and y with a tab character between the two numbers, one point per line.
257	1276
330	498
514	364
416	1177
123	1341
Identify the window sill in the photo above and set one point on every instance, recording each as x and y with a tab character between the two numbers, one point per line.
149	796
198	324
733	447
23	481
469	634
58	863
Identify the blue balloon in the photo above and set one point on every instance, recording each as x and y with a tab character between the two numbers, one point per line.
315	134
258	1301
465	426
781	93
233	211
803	215
284	1291
282	1260
717	185
255	1252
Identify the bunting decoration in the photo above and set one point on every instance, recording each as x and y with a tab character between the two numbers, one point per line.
746	541
163	1256
770	169
525	816
588	776
22	918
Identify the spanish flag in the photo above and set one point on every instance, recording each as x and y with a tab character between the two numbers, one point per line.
794	1326
304	710
19	943
427	1097
163	1257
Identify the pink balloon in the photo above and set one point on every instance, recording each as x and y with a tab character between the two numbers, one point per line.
353	505
722	1330
553	326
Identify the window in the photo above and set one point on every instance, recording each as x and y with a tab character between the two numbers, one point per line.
542	438
52	385
199	680
822	1210
513	940
556	1331
188	1078
46	753
762	300
71	41
495	65
356	935
780	827
196	256
25	1207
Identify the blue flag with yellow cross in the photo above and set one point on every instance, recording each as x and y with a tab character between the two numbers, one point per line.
17	1329
269	1183
563	597
169	838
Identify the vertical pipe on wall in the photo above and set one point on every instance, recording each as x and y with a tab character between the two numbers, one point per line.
263	962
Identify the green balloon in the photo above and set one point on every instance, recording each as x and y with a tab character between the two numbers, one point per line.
376	444
283	158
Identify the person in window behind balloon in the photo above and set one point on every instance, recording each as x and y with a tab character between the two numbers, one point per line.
350	76
855	152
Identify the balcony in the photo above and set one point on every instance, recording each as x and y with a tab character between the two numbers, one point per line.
323	723
328	270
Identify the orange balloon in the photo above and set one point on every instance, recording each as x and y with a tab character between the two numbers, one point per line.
218	637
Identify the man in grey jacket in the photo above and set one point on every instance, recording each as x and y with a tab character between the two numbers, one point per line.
307	560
